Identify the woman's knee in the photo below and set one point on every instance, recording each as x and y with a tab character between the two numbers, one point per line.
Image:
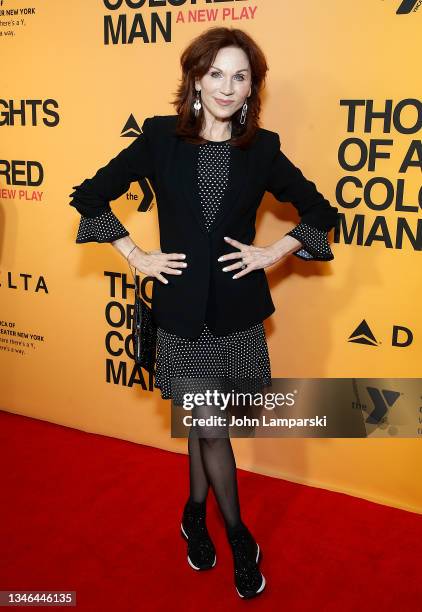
213	442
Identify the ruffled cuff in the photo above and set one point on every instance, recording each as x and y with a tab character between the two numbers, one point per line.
103	228
315	243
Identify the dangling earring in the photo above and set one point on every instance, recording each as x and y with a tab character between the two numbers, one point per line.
244	113
197	104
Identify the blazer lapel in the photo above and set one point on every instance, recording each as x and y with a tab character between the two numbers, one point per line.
186	165
186	170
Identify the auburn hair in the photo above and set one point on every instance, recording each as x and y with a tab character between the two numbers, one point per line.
195	61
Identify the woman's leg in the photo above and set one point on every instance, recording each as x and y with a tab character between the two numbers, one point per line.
220	465
218	462
201	550
198	483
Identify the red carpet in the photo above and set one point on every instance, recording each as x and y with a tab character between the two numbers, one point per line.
101	517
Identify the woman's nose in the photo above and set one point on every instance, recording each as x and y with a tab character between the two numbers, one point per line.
226	88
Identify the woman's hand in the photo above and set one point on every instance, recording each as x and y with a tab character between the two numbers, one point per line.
258	257
153	263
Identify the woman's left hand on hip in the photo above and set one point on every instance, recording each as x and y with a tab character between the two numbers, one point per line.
252	257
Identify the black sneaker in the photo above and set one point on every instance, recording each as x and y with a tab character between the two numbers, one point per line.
201	551
248	579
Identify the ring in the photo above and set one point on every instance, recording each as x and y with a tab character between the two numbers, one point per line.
243	266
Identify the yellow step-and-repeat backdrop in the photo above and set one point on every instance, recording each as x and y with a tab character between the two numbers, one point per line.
78	79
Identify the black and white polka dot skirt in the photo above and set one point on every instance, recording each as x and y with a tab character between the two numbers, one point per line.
240	361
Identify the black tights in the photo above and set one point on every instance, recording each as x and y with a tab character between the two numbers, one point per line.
212	462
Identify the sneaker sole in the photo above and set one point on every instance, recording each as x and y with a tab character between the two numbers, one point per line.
261	588
193	566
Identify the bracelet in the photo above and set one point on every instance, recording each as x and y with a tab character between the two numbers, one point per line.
127	257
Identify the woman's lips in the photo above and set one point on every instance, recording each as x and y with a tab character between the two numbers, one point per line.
223	102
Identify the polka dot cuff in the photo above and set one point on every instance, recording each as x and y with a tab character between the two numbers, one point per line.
314	241
103	228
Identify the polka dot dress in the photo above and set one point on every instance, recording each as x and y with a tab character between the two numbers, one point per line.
239	360
213	175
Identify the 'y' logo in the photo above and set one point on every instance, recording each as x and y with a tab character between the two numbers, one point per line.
382	401
406	7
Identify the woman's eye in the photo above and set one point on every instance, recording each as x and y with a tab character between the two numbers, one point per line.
213	74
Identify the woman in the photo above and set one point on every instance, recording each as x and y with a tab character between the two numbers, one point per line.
209	166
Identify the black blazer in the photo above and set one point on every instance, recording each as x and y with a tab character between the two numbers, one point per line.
203	292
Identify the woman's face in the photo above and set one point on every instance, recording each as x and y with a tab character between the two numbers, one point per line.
227	80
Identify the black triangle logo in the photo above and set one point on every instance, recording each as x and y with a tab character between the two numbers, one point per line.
131	128
363	335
